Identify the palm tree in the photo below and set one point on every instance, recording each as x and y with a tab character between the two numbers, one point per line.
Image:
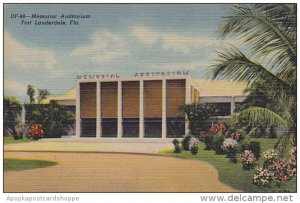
268	32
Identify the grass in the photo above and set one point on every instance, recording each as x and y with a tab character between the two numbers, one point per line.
24	164
11	140
233	174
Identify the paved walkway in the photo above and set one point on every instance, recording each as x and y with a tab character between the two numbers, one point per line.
92	145
106	172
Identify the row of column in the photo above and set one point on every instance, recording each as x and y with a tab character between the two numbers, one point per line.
120	119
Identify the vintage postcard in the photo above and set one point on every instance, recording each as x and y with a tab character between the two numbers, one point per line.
150	98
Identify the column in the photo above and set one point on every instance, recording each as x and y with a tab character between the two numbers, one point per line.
188	97
120	128
78	122
23	115
232	106
98	107
164	109
141	118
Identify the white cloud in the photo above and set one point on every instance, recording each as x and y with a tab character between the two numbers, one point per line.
104	46
144	35
178	42
13	87
23	65
17	55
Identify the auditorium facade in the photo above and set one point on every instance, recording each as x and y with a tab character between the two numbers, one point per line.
145	105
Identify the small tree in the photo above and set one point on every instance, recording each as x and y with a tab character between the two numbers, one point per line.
43	94
199	116
31	93
11	110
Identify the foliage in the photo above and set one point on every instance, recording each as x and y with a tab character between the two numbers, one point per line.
43	94
217	128
236	136
11	110
186	142
282	170
21	130
194	145
269	32
201	135
218	142
230	147
293	161
270	154
229	123
177	148
31	93
55	118
254	147
262	177
199	116
36	132
232	175
208	140
248	159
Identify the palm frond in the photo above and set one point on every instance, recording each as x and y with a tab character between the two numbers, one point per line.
262	115
234	65
282	143
268	29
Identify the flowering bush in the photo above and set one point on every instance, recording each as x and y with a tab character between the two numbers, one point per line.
230	147
262	177
281	170
247	159
253	146
194	146
229	144
270	154
236	136
217	128
270	157
35	131
293	161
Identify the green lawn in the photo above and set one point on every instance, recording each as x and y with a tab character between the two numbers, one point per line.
233	174
11	140
24	164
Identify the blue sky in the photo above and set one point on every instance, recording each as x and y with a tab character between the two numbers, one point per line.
121	38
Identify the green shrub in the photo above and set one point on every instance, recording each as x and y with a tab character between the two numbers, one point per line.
186	142
54	118
218	140
175	141
177	148
208	140
252	146
199	116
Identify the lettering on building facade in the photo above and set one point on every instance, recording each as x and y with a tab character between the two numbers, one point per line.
141	74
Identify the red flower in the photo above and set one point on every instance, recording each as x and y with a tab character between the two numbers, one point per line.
36	130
